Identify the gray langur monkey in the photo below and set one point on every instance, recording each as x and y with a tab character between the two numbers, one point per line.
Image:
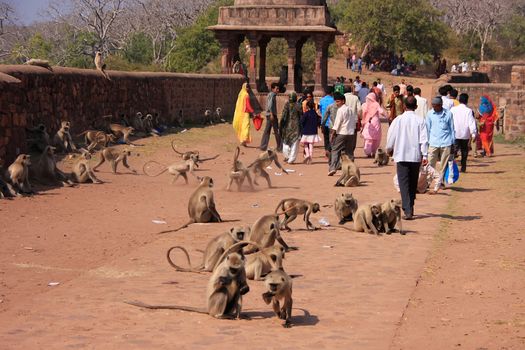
201	205
279	289
186	155
391	215
214	249
226	287
238	172
345	206
121	131
96	138
18	174
381	158
262	262
218	113
265	231
114	157
291	207
38	138
63	138
6	191
259	165
100	65
39	63
82	172
44	170
366	218
176	169
350	176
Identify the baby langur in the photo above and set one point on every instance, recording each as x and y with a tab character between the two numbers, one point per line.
350	176
261	263
239	172
366	217
176	169
345	206
201	205
114	157
390	215
82	172
44	170
291	207
63	138
259	165
208	117
382	157
121	131
264	232
218	113
225	289
215	248
279	290
18	174
100	65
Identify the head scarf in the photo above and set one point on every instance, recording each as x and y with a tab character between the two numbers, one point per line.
486	107
370	108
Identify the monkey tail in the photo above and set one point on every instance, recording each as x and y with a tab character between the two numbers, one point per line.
165	307
280	205
178	228
174	149
235	247
154	162
400	223
176	267
236	157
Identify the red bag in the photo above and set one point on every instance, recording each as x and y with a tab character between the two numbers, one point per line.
257	122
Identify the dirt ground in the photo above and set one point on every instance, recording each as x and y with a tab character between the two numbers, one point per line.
455	280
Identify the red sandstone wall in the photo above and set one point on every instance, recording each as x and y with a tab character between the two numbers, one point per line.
515	115
498	72
30	95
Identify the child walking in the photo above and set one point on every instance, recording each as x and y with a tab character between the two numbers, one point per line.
309	125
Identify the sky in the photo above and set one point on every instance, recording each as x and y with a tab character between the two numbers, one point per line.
27	11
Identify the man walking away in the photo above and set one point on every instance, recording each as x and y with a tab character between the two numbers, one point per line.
446	102
440	127
327	122
407	141
342	135
422	106
464	127
271	119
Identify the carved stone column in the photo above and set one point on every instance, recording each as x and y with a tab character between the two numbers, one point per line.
321	63
263	43
292	50
226	58
298	63
252	74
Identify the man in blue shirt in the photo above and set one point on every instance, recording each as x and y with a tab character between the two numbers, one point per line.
326	101
440	127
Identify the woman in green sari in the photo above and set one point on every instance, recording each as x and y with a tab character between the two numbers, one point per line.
290	129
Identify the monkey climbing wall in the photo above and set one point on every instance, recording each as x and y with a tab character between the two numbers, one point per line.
32	95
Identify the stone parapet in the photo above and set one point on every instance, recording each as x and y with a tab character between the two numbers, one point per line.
31	95
279	15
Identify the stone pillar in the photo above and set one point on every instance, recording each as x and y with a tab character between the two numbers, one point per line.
252	74
224	41
514	123
320	67
298	63
263	43
292	50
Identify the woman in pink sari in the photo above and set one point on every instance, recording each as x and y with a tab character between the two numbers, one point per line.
371	131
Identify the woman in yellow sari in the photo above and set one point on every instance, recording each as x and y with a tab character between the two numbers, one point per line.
241	117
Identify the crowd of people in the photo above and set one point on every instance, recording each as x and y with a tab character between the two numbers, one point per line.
422	140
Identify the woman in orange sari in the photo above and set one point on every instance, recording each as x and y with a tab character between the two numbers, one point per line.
241	117
488	116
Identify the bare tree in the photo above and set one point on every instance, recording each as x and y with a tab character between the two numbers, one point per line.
480	17
95	16
6	17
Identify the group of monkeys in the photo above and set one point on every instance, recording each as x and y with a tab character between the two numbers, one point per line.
257	252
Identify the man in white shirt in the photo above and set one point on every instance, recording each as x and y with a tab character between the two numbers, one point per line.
357	84
447	102
381	86
464	128
403	87
422	105
342	135
407	140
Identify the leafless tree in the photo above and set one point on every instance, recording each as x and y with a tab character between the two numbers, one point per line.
480	17
6	18
95	16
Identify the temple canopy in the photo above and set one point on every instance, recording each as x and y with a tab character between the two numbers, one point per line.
261	20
